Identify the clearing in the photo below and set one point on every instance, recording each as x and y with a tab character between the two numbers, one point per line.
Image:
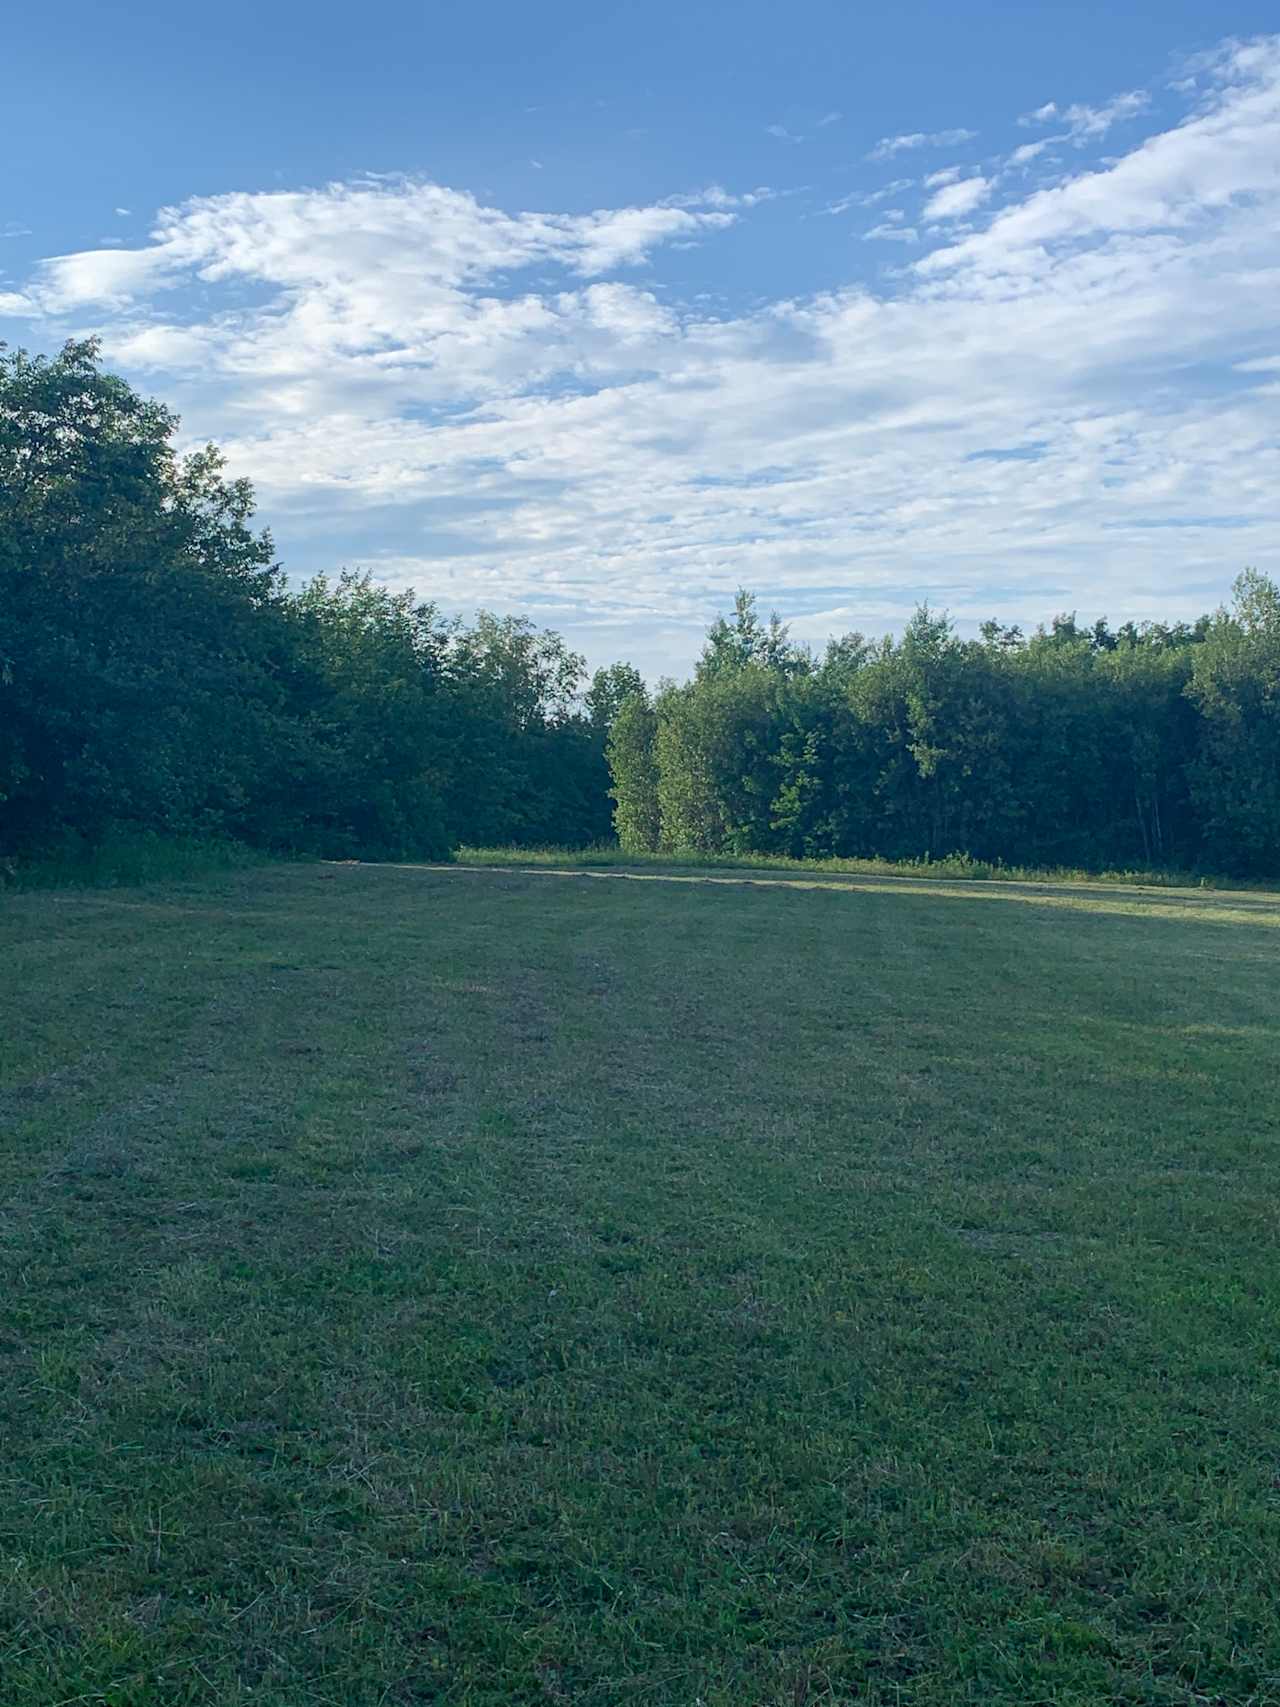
505	1287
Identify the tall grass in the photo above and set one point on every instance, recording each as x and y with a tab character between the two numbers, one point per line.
953	865
124	858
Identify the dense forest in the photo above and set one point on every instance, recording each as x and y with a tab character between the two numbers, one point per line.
159	675
1152	746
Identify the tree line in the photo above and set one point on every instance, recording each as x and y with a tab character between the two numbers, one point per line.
158	674
1155	745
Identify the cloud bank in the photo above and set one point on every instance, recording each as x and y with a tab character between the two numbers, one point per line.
1073	404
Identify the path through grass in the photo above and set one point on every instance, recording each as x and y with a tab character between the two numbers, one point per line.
492	1287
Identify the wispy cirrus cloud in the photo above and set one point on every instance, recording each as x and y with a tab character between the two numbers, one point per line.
1084	123
1174	181
888	146
869	198
716	198
1029	151
891	232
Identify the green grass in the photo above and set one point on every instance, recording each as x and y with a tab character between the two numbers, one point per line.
125	858
465	1286
955	865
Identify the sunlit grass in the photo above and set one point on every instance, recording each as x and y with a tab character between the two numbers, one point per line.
951	866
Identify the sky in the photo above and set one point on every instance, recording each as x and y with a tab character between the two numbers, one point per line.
595	312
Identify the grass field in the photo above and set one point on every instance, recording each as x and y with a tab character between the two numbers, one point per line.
489	1287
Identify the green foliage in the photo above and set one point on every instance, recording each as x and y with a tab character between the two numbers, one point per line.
743	639
1153	748
158	678
372	733
716	744
140	617
118	858
530	765
1236	686
633	763
610	690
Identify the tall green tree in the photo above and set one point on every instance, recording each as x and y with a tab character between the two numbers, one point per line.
1235	685
633	768
1151	744
371	757
610	689
157	674
140	614
742	639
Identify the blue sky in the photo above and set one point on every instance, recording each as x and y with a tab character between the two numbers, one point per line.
596	311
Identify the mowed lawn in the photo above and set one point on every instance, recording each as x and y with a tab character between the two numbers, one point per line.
481	1287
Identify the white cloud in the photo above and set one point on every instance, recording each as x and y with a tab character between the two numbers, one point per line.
1031	150
111	277
163	348
888	146
782	133
829	118
336	241
947	175
956	199
626	236
1084	123
869	198
1176	180
716	196
893	233
497	407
